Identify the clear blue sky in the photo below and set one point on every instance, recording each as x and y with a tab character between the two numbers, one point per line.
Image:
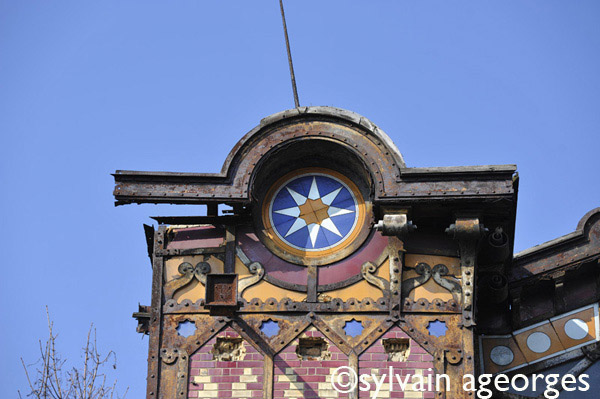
90	87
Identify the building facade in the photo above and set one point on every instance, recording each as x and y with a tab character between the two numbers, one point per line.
338	258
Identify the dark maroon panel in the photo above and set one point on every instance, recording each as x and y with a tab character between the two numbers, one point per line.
274	266
296	274
197	237
351	265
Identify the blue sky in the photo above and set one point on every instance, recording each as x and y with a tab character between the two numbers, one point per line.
90	87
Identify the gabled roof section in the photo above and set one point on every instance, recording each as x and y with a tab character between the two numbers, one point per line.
570	250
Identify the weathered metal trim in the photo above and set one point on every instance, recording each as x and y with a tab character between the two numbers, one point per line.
284	305
396	256
156	319
230	253
580	232
149	233
435	306
200	220
232	184
170	356
576	247
335	338
143	318
374	336
354	365
445	171
467	231
189	251
268	378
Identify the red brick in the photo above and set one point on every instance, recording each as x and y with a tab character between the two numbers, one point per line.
336	363
314	378
202	365
246	364
421	365
380	357
311	363
281	385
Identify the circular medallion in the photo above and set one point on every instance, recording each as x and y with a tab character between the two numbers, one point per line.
313	215
539	342
576	329
502	355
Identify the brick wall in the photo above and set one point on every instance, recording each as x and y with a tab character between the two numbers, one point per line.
375	361
210	378
297	378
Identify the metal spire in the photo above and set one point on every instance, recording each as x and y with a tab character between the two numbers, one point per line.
289	54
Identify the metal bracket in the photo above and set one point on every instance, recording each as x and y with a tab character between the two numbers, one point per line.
467	231
395	225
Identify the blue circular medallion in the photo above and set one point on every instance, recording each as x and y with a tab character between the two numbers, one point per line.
314	212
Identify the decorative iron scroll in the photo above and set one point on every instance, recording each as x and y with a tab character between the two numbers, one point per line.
256	269
425	273
187	274
369	268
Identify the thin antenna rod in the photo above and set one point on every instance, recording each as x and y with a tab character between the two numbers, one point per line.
289	54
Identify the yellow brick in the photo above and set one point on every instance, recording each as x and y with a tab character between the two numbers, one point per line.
247	371
203	372
211	387
324	386
332	393
413	394
248	378
293	394
238	385
209	394
201	379
289	370
286	378
243	394
296	385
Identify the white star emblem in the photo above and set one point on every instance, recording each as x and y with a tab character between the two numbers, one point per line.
313	211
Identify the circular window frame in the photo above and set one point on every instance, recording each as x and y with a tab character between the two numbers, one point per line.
339	251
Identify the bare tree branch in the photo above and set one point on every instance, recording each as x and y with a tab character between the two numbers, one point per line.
46	379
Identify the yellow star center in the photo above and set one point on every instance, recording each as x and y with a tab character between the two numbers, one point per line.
313	211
